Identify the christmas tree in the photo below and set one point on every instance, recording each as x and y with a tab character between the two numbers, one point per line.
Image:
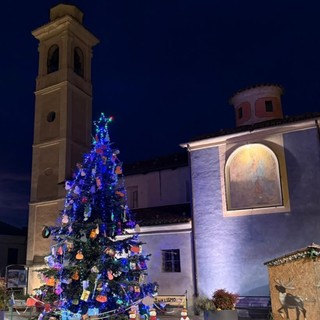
96	265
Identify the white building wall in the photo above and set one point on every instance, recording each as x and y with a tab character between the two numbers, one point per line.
170	283
160	188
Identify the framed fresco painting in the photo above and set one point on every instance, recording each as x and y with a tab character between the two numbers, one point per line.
253	178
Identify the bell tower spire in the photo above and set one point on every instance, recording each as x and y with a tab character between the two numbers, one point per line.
62	121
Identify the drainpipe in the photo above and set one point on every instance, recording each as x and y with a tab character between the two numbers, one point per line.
193	245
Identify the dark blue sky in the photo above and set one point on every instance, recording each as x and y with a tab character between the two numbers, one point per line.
164	69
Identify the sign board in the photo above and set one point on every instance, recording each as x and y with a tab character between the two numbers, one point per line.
176	301
16	276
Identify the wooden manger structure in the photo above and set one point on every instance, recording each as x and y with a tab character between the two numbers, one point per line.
294	281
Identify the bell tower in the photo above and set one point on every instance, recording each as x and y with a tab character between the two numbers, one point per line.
62	121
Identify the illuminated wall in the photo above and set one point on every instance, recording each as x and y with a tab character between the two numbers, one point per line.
231	250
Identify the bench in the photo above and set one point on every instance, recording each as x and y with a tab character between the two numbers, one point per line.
254	307
170	304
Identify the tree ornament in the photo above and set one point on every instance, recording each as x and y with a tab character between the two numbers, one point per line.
75	276
101	298
98	182
66	281
93	234
84	199
83	237
85	295
79	255
47	307
76	190
79	165
136	289
141	278
50	282
65	219
116	273
119	193
58	290
87	212
135	249
85	284
93	311
68	185
49	261
118	170
94	269
110	275
133	266
69	245
31	302
82	173
60	251
46	232
110	252
119	230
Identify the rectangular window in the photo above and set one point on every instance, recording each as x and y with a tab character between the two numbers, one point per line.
240	113
171	260
133	200
269	106
12	257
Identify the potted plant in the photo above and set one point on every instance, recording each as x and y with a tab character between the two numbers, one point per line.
221	306
203	304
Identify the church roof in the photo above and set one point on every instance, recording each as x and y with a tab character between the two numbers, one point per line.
9	230
172	214
259	125
172	161
311	252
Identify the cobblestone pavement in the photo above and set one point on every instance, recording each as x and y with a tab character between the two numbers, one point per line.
26	314
16	316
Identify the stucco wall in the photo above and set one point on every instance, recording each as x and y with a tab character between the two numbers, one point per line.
170	283
231	251
160	188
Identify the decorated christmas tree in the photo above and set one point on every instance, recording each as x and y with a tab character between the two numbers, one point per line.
96	266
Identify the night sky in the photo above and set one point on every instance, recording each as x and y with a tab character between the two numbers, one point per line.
164	69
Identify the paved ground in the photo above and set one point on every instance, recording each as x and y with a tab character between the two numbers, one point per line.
25	314
21	315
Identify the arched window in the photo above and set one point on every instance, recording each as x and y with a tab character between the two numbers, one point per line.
53	59
253	178
78	62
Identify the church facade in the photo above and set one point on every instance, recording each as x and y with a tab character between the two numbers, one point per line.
212	216
255	192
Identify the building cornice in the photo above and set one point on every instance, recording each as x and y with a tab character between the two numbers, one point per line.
254	133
